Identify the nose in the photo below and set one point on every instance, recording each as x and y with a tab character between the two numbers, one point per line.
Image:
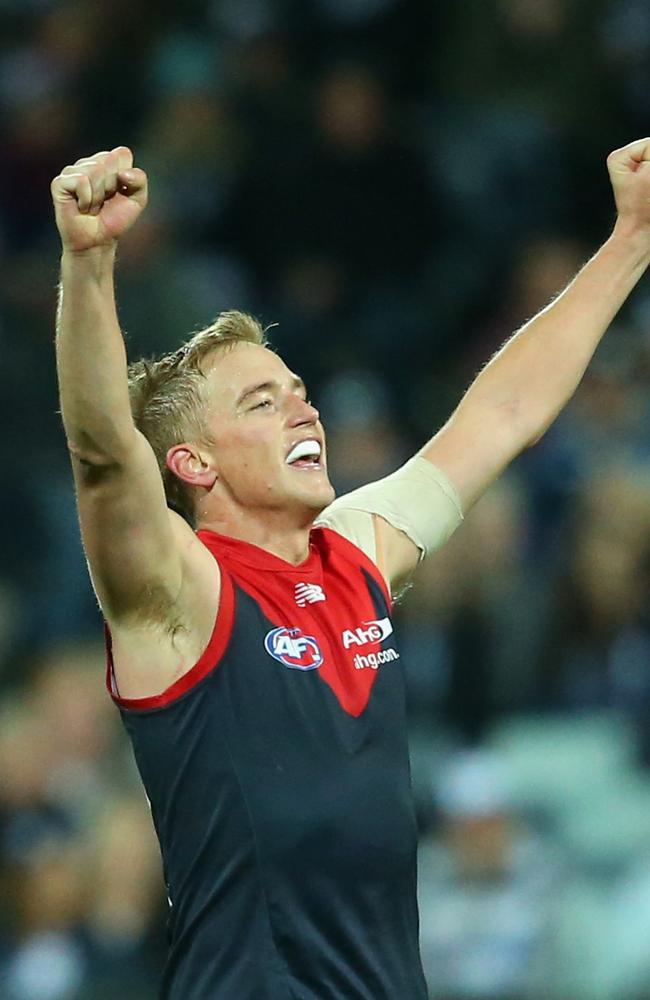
302	411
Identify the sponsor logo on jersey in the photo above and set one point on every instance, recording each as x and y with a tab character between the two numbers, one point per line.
373	631
375	660
308	593
293	648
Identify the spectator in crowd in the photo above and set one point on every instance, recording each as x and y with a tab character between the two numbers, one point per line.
486	891
383	180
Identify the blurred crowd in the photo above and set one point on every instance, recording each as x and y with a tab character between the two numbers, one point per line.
398	185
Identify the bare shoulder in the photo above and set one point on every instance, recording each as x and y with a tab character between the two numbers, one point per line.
154	649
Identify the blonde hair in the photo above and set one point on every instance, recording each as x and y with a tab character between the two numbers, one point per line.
167	395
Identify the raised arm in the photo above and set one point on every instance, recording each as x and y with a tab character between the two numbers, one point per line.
96	201
136	547
524	387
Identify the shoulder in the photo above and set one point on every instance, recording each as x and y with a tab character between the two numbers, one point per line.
352	525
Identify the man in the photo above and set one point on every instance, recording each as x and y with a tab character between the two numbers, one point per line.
252	655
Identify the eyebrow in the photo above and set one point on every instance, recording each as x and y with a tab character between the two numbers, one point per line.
296	383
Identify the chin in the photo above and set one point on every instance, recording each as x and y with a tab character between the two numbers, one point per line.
318	498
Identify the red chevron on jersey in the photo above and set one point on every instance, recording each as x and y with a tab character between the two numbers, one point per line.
319	635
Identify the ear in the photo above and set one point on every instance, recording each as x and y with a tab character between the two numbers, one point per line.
191	465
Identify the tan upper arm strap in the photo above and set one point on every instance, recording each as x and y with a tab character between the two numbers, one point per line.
417	499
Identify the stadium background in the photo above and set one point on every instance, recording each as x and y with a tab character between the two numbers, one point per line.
398	185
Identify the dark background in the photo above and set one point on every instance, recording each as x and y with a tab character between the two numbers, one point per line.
397	185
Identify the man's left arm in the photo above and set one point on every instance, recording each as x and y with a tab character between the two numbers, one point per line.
518	395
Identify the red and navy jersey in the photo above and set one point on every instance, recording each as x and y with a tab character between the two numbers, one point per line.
278	777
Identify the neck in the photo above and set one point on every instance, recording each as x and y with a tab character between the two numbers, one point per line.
274	531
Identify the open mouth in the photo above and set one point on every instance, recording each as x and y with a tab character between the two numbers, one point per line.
305	455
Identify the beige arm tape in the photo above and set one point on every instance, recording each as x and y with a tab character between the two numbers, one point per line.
418	499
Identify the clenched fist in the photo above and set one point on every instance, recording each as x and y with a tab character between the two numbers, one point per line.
98	198
629	172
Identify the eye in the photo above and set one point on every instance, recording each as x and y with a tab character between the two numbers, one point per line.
262	404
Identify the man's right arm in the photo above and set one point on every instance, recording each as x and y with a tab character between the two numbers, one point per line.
125	523
136	547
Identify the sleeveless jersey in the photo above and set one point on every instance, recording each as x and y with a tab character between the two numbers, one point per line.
278	777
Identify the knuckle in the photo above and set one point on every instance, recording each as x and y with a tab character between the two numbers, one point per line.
125	158
95	171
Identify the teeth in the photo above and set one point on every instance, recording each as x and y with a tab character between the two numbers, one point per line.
304	449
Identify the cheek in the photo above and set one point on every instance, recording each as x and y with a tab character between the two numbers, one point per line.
252	451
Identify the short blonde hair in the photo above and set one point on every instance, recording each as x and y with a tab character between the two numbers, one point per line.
167	395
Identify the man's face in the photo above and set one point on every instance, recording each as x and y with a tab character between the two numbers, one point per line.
257	414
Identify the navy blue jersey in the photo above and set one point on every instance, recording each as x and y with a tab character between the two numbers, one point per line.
278	777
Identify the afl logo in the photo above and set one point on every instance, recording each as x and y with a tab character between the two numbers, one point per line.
293	649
